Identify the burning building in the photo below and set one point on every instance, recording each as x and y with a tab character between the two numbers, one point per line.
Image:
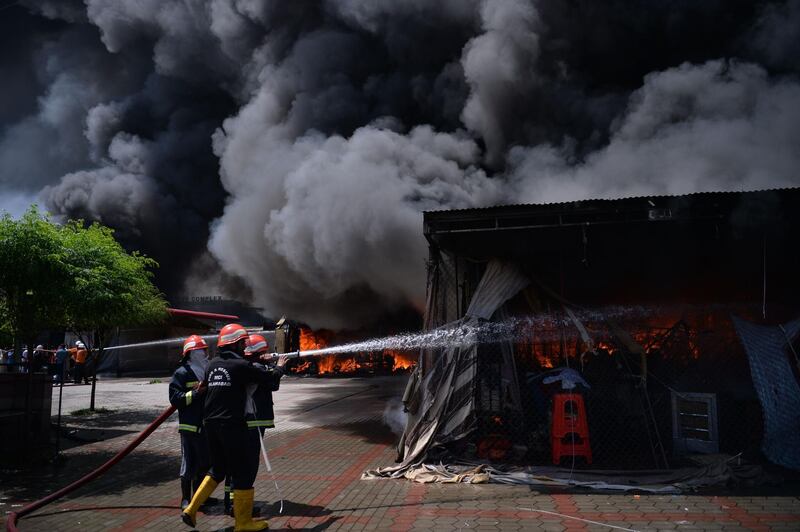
641	306
360	362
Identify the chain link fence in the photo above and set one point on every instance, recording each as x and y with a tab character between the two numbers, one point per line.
658	385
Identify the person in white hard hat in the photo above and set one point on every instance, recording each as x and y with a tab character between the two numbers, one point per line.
79	354
38	360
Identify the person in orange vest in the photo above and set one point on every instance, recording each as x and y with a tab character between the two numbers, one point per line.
78	355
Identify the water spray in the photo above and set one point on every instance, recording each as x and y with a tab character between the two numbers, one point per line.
460	335
169	341
465	333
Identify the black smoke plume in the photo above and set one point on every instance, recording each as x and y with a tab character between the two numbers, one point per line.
284	151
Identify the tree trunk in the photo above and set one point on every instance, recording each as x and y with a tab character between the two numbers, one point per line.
28	394
17	353
116	355
94	378
95	362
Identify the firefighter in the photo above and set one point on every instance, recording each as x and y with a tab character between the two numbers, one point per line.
262	415
259	412
186	393
226	430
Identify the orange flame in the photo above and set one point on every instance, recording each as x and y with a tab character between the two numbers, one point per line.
326	364
683	334
313	340
332	364
402	361
349	365
302	367
607	347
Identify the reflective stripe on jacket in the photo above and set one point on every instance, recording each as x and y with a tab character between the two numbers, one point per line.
264	415
256	423
182	397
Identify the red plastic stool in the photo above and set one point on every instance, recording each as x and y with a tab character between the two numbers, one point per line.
569	431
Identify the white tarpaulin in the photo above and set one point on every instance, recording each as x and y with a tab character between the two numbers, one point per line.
446	394
718	472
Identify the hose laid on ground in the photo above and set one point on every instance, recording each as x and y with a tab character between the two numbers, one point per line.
11	522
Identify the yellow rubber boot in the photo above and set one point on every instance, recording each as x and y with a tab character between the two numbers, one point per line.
243	512
189	514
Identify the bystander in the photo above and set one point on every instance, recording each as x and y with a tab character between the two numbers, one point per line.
38	361
62	362
79	354
11	365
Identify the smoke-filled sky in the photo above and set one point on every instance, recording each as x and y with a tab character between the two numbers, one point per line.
283	151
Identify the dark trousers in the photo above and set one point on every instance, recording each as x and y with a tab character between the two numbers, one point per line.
194	456
77	372
253	452
59	371
228	447
252	460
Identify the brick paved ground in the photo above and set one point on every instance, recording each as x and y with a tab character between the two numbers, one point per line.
329	432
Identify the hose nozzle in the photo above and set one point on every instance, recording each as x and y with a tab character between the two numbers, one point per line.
276	355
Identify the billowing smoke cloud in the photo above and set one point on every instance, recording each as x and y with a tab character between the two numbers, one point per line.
284	151
500	67
394	416
716	126
339	219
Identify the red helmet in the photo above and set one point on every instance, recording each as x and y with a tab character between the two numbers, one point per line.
194	342
256	344
230	334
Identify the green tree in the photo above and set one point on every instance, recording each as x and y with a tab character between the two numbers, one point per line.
6	335
34	278
110	288
73	276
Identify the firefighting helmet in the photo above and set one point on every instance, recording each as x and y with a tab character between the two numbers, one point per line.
230	334
192	343
256	344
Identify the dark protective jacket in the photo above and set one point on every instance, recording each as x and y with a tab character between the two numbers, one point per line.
227	378
264	415
181	396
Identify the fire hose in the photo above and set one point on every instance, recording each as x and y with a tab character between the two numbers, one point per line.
11	522
269	469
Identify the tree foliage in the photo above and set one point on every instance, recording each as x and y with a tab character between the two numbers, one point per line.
110	287
6	334
33	274
72	276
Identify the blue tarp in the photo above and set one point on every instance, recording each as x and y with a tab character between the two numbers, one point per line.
776	385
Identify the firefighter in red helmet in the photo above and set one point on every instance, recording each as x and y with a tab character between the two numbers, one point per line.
224	423
259	412
186	394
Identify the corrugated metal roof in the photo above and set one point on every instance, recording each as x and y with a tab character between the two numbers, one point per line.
610	200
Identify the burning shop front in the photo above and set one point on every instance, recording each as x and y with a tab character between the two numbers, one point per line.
647	333
357	363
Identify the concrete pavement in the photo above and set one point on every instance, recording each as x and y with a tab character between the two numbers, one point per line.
328	432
